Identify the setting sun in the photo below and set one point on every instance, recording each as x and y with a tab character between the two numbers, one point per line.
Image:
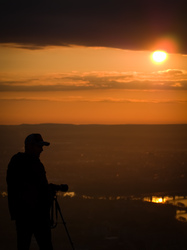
159	56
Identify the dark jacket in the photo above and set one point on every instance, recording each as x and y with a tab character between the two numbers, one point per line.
28	189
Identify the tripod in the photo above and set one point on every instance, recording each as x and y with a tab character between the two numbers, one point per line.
54	223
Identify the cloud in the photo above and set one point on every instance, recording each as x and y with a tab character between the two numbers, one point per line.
75	99
134	25
177	85
172	72
161	80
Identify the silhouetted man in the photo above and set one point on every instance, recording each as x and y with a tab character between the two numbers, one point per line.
29	196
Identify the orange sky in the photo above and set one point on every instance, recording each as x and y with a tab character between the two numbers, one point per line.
83	85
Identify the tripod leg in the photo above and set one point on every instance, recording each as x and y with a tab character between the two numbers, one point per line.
59	210
52	215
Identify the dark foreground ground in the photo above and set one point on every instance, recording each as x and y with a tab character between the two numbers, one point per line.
104	161
108	225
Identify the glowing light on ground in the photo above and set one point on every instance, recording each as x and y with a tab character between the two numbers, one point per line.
158	200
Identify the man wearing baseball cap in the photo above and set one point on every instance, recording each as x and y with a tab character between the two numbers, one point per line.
29	196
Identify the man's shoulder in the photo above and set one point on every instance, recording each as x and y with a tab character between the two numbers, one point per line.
15	164
18	156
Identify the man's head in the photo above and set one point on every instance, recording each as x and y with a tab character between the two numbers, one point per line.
34	144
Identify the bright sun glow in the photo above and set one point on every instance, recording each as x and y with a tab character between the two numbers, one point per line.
159	56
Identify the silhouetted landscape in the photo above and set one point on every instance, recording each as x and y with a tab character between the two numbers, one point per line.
109	170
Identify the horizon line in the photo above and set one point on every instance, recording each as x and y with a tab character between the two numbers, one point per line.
95	124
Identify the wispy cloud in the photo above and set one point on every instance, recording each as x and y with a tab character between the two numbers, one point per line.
75	81
82	99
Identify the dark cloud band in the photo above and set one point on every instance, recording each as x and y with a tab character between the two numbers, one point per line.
135	25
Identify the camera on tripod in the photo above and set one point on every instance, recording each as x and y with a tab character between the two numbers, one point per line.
55	208
55	188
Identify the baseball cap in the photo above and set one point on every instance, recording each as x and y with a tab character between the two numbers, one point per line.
36	139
